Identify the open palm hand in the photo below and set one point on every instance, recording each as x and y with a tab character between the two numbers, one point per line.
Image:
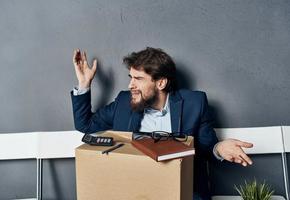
84	73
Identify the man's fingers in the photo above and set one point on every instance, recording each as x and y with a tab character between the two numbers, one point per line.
247	145
240	154
246	159
77	57
244	144
84	57
94	68
229	158
75	61
238	160
81	63
74	57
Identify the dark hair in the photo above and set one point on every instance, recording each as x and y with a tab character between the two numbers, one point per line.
156	63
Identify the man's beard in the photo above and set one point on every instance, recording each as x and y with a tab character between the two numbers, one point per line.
143	103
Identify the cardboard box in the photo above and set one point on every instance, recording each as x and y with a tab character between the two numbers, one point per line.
128	174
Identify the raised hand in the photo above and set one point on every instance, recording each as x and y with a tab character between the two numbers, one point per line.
84	73
231	150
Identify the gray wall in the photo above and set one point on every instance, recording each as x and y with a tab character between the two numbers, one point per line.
236	51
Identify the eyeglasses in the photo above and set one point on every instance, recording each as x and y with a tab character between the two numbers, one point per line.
160	136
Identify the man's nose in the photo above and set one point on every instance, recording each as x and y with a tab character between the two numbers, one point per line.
131	84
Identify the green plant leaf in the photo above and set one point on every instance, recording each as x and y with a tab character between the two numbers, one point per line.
254	191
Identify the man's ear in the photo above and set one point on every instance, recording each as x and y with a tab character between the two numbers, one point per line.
161	83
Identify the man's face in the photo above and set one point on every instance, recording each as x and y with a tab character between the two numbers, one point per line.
144	92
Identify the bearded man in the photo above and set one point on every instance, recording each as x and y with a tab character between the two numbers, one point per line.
154	103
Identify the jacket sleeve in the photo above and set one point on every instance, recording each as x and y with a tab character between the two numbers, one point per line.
88	122
206	138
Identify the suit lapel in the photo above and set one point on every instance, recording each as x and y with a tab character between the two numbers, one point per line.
176	104
135	121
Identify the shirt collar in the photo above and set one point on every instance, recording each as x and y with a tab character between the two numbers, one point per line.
155	112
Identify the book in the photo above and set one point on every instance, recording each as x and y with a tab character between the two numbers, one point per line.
163	150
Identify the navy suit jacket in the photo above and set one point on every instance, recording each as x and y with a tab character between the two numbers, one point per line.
189	114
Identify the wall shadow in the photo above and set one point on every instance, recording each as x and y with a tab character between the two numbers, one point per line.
56	182
106	82
216	112
50	175
183	78
186	80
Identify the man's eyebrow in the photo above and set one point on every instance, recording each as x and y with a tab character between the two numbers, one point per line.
136	77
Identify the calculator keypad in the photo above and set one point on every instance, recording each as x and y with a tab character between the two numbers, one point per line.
97	141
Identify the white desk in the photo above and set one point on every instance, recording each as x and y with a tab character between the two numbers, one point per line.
39	145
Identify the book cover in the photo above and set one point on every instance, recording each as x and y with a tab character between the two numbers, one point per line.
163	150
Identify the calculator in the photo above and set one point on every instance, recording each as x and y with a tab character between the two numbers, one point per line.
98	140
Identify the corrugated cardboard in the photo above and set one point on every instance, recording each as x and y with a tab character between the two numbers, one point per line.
128	174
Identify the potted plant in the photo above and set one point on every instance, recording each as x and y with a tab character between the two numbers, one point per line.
255	191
